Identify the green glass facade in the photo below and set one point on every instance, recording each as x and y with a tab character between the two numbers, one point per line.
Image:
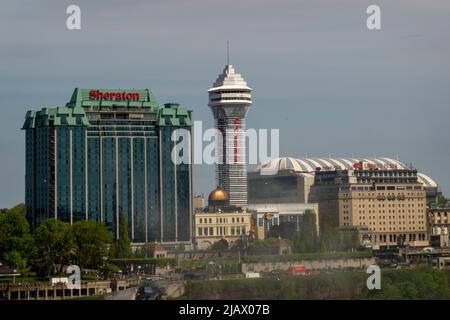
108	153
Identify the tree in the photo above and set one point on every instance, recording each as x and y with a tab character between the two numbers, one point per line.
328	238
220	245
20	209
307	240
442	201
16	260
419	283
347	240
110	269
335	239
145	251
262	247
54	245
92	241
122	246
15	239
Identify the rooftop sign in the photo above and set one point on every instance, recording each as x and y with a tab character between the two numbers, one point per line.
118	96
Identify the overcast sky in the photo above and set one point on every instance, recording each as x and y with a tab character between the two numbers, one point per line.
332	86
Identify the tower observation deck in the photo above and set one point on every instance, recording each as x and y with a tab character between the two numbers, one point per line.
229	100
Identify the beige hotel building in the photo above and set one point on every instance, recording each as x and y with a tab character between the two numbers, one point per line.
387	202
220	221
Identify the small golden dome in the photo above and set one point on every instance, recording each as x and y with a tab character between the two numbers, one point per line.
217	194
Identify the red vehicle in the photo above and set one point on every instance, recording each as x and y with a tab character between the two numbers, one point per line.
297	270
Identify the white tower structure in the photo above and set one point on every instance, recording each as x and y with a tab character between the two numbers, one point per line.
229	100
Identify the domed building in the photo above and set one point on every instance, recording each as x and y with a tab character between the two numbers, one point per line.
218	198
292	177
384	199
221	221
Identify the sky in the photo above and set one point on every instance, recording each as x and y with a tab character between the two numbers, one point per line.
332	87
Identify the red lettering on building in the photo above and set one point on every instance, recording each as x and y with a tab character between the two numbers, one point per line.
236	139
121	96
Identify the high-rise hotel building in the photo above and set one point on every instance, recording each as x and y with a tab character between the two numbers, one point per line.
229	100
388	202
107	154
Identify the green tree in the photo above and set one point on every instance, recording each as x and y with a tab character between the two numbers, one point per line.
54	245
110	269
334	239
92	241
145	251
327	240
307	240
419	283
19	209
442	201
122	246
220	245
16	260
347	240
15	239
262	247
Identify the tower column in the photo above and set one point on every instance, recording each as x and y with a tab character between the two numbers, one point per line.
229	101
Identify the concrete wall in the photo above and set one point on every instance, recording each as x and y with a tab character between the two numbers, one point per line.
360	263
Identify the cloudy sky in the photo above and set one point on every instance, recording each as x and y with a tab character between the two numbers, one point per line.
332	86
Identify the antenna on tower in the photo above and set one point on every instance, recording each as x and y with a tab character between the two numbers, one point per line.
228	52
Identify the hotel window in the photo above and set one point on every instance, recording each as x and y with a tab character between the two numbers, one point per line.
211	231
205	231
200	231
232	231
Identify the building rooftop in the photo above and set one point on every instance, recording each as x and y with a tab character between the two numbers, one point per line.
309	166
84	102
229	79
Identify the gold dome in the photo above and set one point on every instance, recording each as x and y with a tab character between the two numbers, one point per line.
217	194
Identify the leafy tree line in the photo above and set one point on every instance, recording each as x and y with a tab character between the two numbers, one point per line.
411	284
307	240
55	243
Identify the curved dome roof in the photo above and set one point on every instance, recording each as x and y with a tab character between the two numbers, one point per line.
218	194
309	165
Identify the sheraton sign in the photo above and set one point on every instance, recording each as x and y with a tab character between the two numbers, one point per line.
123	96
